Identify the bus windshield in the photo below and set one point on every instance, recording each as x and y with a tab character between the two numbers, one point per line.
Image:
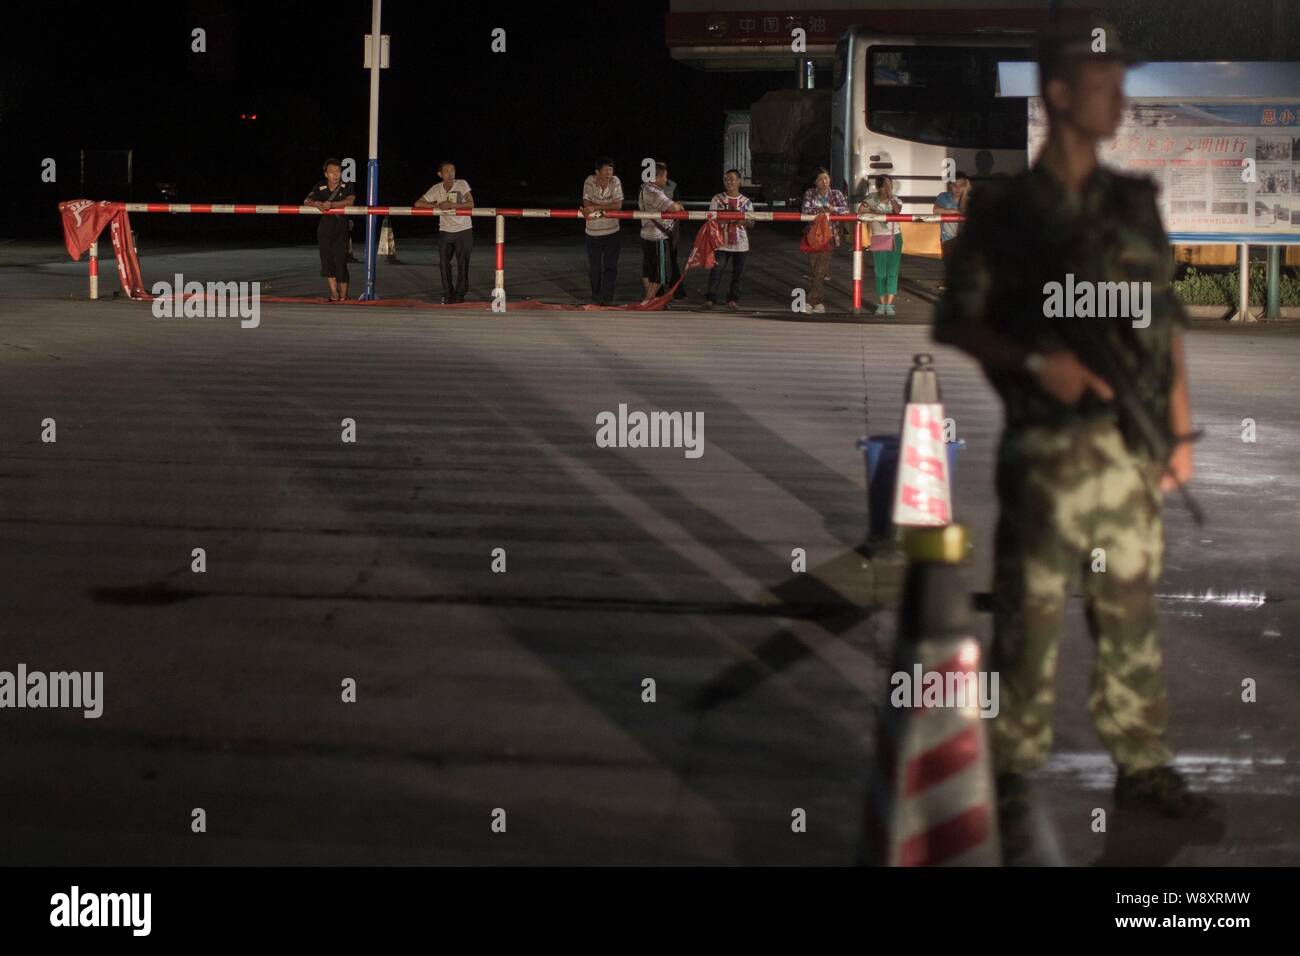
944	96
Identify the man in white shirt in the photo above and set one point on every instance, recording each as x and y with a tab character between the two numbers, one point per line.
656	234
602	192
735	240
455	235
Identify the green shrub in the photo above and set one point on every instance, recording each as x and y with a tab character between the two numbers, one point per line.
1220	287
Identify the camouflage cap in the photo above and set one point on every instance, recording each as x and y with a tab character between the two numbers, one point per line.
1080	41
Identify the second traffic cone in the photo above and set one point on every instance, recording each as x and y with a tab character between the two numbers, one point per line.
932	800
922	490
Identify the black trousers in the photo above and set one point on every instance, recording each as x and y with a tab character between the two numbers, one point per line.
602	256
676	272
737	260
458	245
333	251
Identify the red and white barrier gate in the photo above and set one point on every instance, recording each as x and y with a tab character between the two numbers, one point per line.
500	214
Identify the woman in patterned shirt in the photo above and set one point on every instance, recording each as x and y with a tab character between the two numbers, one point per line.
821	198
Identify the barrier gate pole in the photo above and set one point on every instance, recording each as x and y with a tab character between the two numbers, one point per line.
857	267
501	259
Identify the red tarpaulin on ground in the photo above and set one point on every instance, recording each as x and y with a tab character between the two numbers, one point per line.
702	256
84	220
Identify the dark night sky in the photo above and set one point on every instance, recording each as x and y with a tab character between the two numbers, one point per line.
576	80
595	79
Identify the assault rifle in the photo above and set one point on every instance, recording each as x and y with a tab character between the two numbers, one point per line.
1091	348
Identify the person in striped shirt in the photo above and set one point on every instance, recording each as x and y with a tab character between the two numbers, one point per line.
735	244
656	235
602	192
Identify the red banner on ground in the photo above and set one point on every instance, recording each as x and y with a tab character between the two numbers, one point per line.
702	256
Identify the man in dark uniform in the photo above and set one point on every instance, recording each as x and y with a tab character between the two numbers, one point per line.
332	231
1073	483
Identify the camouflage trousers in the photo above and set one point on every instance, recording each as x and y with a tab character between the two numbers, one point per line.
1063	494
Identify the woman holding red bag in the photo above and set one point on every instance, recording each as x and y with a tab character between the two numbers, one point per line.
886	243
820	237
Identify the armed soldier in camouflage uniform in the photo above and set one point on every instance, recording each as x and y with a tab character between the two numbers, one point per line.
1070	478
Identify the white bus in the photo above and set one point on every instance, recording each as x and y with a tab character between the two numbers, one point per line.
902	104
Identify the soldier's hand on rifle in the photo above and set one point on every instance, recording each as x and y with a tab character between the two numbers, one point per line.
1065	378
1179	470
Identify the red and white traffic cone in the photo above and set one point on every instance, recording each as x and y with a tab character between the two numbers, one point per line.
923	489
932	801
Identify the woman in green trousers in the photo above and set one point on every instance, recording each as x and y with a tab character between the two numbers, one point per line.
886	243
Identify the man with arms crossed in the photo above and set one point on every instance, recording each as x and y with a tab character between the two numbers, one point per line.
602	192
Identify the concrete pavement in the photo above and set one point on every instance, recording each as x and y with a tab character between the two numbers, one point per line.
523	690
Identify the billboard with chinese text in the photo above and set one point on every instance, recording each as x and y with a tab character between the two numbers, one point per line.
1224	171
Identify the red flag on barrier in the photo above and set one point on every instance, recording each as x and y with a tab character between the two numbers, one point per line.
707	241
85	219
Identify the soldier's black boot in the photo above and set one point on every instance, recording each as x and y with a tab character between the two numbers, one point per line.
1163	790
1015	831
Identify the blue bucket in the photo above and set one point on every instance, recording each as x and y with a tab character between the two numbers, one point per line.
882	472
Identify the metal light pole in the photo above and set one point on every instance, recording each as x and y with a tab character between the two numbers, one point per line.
372	163
1243	285
1273	292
